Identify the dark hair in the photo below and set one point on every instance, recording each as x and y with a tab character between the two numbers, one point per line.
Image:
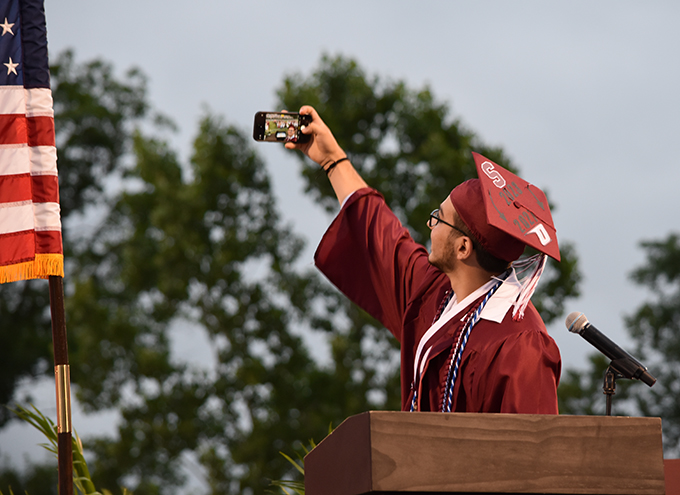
486	260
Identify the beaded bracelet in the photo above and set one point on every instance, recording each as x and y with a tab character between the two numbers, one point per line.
332	165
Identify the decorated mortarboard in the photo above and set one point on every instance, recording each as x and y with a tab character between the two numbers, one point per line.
505	213
517	207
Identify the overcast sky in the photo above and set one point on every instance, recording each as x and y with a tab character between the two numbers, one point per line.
582	95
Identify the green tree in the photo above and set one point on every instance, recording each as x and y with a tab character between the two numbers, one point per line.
37	479
206	247
656	328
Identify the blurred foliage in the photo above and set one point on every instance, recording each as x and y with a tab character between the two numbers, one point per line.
35	479
210	250
161	252
655	326
94	117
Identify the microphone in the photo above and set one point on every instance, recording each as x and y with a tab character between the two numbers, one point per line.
624	363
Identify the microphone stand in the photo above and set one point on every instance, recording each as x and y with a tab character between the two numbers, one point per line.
609	387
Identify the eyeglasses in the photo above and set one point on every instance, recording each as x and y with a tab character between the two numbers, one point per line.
434	220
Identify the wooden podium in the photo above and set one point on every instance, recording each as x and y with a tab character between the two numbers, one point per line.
463	453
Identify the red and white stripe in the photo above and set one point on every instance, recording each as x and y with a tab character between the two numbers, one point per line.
30	223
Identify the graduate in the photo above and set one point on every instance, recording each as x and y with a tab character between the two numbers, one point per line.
471	340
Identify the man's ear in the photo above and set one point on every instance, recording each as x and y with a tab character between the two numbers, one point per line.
465	249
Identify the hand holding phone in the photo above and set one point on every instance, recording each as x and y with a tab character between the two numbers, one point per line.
317	142
280	127
321	147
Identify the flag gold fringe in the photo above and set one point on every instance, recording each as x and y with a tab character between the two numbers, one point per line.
42	266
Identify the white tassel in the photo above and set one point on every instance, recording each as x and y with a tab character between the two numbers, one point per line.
534	265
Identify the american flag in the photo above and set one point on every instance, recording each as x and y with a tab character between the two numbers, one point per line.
30	224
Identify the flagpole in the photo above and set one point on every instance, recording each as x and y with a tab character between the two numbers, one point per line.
63	385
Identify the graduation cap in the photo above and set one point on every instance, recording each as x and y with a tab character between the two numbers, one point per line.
505	212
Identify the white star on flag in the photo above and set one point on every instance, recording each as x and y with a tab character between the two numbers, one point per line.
11	67
7	27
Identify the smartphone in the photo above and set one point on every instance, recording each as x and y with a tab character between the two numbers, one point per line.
280	127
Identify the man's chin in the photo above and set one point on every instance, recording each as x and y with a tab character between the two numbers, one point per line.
432	260
442	265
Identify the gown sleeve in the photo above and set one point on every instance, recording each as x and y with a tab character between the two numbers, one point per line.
520	376
371	257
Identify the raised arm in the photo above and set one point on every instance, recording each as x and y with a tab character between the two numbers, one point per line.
324	150
366	252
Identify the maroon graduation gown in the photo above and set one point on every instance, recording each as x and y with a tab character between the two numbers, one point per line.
507	367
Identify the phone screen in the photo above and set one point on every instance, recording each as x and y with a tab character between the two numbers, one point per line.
277	127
